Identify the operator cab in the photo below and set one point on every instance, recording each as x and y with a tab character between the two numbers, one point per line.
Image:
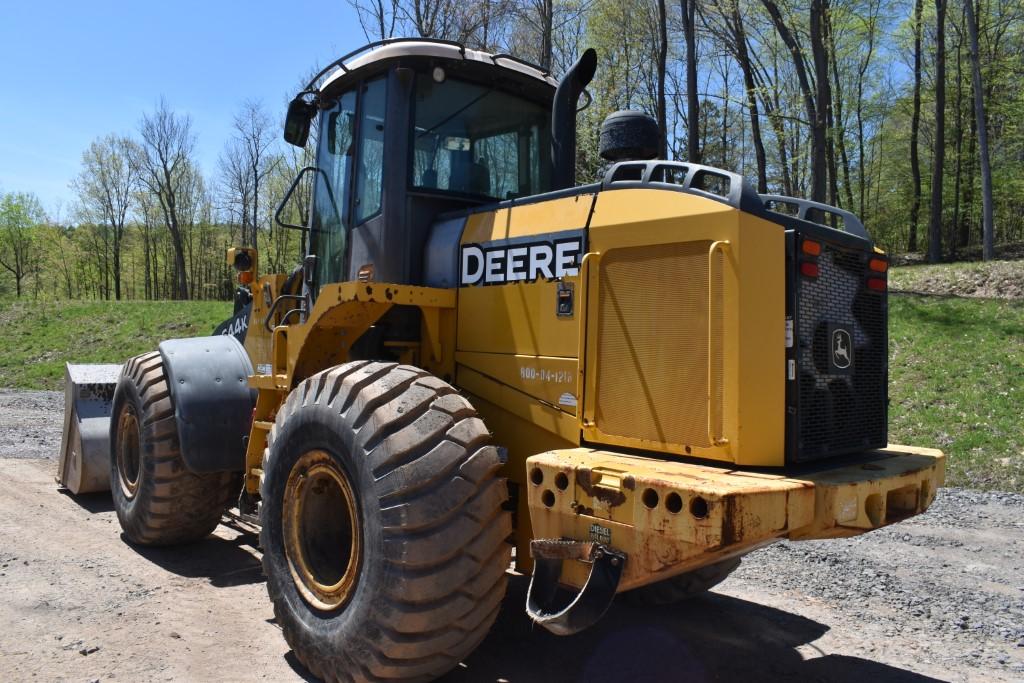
409	130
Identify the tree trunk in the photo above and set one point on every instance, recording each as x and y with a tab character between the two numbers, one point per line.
743	57
939	155
117	266
547	39
954	230
662	62
693	149
915	129
861	72
821	136
988	236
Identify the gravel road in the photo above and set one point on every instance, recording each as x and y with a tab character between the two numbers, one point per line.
940	597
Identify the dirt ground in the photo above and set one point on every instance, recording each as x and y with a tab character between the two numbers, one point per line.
937	597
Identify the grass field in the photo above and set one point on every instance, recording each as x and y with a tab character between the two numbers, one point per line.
956	382
956	362
39	337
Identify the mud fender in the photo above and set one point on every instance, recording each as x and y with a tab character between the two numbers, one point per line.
208	380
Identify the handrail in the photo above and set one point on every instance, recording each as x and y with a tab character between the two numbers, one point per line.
291	190
583	306
851	224
513	58
714	409
278	300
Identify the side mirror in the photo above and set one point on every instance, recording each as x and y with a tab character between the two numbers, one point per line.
297	121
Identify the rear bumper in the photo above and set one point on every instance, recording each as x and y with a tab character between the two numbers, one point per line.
672	517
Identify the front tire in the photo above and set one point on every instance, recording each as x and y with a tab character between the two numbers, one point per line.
384	538
157	499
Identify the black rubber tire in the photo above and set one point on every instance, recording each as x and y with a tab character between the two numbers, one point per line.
169	504
684	586
434	548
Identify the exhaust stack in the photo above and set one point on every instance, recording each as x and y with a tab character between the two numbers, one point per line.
563	119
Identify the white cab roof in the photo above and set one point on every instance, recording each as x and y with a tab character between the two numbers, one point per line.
408	48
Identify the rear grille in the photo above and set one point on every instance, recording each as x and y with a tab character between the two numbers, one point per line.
839	410
652	344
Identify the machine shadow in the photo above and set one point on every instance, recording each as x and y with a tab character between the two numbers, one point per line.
713	637
92	503
709	638
225	562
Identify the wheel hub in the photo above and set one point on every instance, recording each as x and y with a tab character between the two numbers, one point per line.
128	458
322	537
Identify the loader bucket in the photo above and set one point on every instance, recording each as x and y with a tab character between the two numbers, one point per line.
85	445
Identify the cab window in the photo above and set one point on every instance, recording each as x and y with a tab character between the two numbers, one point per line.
370	178
335	160
472	139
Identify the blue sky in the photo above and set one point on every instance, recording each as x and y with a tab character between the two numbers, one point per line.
73	71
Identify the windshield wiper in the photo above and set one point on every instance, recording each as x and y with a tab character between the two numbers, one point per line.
456	112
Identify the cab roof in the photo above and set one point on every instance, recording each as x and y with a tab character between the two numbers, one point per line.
424	47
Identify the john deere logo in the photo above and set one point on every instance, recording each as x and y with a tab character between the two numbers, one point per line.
842	349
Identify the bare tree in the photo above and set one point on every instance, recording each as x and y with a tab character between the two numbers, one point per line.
988	238
246	162
235	185
104	187
378	18
163	162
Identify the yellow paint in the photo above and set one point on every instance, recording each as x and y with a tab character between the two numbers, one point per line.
554	381
674	348
258	341
670	517
725	270
342	313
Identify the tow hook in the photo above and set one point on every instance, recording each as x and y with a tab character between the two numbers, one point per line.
592	601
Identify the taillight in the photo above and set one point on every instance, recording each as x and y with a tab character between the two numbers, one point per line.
877	284
811	247
878	265
809	268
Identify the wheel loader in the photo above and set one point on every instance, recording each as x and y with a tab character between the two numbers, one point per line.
622	384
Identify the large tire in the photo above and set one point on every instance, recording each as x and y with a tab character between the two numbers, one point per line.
684	586
158	501
405	464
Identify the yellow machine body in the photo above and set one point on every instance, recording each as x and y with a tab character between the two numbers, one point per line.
669	352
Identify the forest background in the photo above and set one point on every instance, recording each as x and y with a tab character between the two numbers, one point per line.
909	114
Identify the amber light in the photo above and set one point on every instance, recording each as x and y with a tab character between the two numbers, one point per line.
245	277
878	265
877	284
809	269
811	247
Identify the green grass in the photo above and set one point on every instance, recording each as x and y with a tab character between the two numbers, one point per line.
39	337
956	382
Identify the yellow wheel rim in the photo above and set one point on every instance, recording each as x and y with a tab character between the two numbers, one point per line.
128	459
322	537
